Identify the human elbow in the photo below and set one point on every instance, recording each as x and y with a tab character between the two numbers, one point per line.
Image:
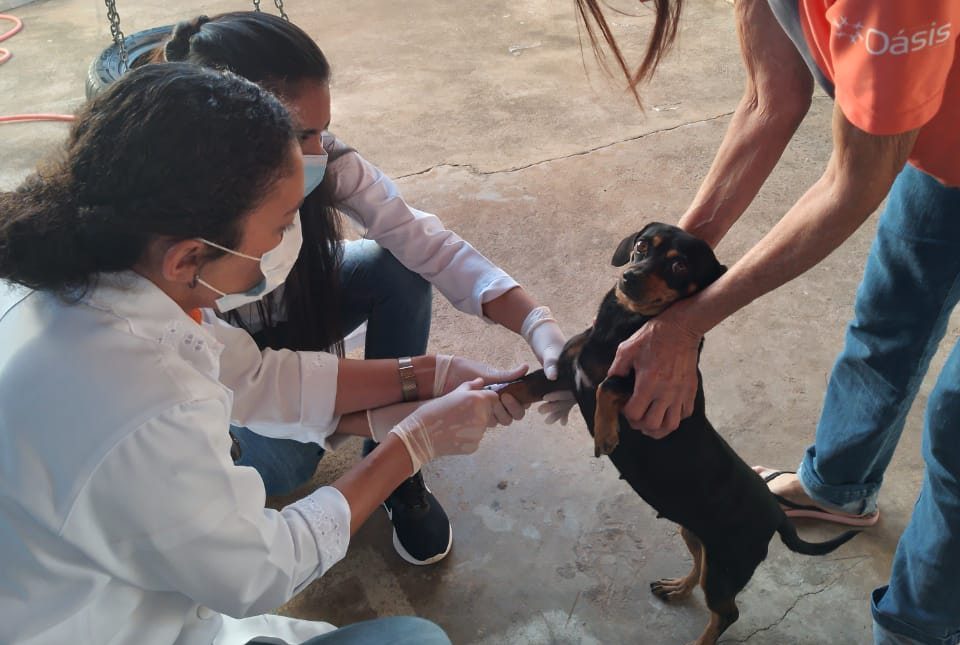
252	597
784	103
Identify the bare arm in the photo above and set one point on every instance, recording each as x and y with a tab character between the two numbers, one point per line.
859	174
775	100
366	384
371	480
509	309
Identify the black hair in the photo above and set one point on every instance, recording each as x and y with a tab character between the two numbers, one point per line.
279	56
168	150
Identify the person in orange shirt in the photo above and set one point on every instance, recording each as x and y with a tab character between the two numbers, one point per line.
892	68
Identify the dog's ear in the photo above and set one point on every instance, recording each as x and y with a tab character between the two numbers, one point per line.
721	269
622	255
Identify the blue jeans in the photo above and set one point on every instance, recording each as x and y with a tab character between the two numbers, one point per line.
911	283
395	302
396	630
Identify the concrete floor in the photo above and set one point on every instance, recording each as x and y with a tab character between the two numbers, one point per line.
491	116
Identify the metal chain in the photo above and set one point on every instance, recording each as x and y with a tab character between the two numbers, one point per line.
115	31
279	3
118	37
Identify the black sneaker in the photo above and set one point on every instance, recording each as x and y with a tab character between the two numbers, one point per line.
421	530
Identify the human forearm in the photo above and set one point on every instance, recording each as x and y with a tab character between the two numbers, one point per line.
366	384
858	177
354	424
751	147
810	231
510	308
371	480
776	97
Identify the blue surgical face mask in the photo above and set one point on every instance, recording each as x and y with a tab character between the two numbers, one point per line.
314	167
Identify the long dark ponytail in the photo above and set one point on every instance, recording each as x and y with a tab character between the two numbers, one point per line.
168	150
280	56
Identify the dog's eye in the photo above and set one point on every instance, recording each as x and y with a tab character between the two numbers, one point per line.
679	267
641	248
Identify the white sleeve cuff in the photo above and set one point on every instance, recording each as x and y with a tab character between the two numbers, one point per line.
318	396
327	515
491	291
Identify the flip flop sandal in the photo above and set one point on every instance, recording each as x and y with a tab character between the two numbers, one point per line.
792	509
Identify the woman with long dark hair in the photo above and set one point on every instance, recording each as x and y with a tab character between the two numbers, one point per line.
123	518
893	69
384	279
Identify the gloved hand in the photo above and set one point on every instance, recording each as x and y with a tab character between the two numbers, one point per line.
451	371
452	424
557	406
542	333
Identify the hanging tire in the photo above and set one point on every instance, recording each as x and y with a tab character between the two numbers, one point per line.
106	67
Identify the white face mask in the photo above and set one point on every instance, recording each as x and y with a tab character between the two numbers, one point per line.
275	265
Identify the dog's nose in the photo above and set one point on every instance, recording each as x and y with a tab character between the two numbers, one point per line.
631	278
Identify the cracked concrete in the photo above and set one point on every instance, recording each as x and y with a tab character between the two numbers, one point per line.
485	112
798	599
579	153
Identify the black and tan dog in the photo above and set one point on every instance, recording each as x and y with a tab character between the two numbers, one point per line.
692	477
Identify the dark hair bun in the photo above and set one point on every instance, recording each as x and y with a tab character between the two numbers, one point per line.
142	161
178	47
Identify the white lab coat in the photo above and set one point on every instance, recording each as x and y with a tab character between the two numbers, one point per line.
122	517
417	239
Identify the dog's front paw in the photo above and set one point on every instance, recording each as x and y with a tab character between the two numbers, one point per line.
668	589
605	444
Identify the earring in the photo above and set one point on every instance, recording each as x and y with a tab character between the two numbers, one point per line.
196	277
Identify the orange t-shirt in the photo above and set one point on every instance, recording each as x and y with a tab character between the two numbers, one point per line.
894	67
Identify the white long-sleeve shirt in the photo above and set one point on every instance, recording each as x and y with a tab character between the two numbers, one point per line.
122	516
417	239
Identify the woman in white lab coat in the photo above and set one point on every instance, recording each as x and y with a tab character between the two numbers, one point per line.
123	518
384	279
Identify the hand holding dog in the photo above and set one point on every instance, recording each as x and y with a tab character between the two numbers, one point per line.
663	355
453	371
452	424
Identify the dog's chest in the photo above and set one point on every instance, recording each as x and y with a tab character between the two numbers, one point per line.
595	357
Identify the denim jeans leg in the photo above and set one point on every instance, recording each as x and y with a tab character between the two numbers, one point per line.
901	312
395	630
283	464
922	600
396	302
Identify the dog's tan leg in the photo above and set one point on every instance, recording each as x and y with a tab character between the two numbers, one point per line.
721	616
611	397
679	588
723	607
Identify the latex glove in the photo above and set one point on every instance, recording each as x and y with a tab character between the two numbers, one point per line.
453	424
451	371
382	420
542	333
663	355
556	406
